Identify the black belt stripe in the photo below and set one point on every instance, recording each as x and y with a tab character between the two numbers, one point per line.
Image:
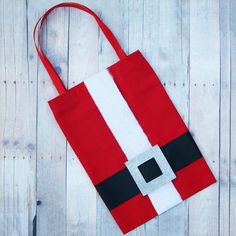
117	189
121	186
181	152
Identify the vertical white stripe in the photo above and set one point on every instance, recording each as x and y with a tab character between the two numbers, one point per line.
165	198
117	114
127	131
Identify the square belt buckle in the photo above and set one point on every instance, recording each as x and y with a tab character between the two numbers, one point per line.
150	170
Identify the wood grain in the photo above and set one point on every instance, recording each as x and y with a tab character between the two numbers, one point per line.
232	116
192	47
204	109
51	151
17	124
224	128
83	62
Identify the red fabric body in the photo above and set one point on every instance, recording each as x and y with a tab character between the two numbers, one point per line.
133	213
97	148
193	178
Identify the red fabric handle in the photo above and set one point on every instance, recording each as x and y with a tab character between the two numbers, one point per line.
49	67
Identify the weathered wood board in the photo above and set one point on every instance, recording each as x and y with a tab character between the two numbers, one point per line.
191	45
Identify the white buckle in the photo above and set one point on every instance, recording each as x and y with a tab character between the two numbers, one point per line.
150	170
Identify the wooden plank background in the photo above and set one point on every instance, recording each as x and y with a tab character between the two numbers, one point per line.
191	45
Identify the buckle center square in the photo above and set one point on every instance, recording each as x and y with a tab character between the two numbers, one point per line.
150	170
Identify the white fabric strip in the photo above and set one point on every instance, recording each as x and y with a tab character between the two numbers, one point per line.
127	131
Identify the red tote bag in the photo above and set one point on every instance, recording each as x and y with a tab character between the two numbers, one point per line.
128	135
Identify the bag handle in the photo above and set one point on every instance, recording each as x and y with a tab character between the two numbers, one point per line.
48	65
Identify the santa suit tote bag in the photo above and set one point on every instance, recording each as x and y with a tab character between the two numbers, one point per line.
128	135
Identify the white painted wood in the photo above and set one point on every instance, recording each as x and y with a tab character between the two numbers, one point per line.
224	128
51	144
204	108
17	124
232	174
192	47
83	62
